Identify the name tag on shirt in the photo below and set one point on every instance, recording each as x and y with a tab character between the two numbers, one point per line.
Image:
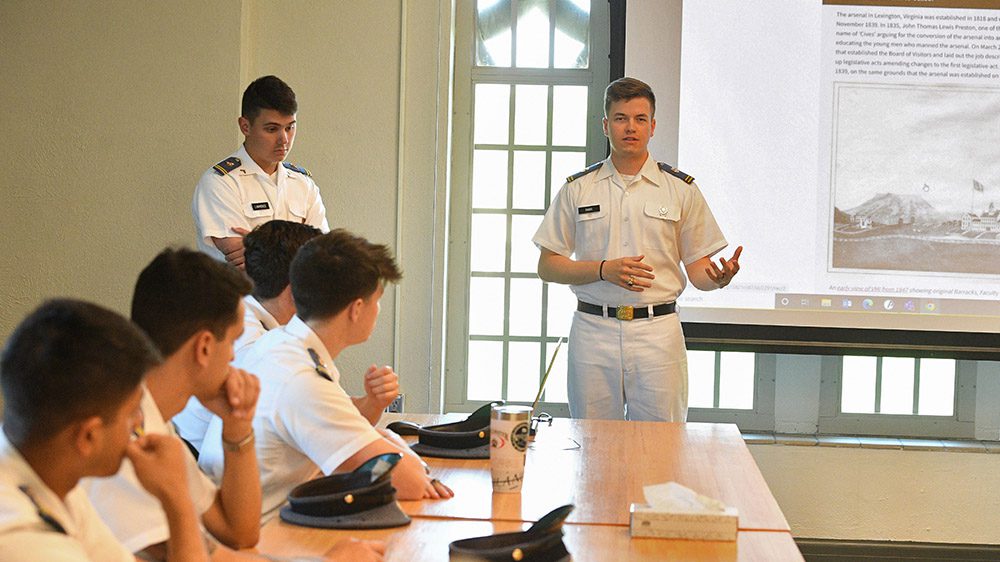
262	206
588	209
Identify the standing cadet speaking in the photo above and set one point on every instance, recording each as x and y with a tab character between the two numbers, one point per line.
617	233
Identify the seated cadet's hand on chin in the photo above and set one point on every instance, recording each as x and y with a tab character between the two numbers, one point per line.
235	403
160	466
354	550
381	385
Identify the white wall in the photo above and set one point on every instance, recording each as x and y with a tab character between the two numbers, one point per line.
342	59
114	109
854	493
110	115
874	494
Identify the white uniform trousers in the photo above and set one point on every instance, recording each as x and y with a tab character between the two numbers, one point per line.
633	369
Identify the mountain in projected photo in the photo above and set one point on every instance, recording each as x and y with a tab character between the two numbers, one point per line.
892	208
896	232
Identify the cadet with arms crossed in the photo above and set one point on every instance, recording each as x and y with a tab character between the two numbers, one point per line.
255	184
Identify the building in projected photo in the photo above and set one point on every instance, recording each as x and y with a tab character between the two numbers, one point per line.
989	221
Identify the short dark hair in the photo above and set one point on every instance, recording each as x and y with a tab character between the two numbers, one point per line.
333	270
67	361
268	92
182	292
268	253
625	89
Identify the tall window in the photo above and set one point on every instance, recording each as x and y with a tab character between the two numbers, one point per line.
528	84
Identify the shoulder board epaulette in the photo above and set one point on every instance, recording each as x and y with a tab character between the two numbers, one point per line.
295	168
675	172
321	369
227	165
590	169
42	513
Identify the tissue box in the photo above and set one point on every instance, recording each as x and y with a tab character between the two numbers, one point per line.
646	521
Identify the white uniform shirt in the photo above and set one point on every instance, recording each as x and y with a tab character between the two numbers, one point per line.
257	321
597	217
246	197
192	422
24	535
132	513
305	424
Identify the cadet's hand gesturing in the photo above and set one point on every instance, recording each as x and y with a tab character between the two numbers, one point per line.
723	276
629	273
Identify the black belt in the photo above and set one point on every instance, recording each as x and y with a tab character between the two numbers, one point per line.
627	312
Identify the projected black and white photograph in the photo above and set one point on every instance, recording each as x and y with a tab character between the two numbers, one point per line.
916	179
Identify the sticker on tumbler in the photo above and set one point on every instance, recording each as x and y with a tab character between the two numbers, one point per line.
519	436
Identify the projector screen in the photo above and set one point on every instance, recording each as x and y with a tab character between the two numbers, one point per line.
853	149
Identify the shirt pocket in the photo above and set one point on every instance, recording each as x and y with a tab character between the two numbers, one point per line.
256	204
297	210
661	220
592	230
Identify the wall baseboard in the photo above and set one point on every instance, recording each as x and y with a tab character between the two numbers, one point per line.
826	550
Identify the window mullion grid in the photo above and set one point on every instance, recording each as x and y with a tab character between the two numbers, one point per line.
756	382
543	344
717	375
552	36
531	147
514	76
878	385
513	32
504	374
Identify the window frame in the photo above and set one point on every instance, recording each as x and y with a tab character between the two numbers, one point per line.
761	416
466	76
960	425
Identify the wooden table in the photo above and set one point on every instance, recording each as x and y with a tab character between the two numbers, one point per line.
599	466
427	540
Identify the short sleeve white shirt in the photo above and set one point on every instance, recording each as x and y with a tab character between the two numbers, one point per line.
132	513
246	197
257	321
25	535
192	422
598	217
304	423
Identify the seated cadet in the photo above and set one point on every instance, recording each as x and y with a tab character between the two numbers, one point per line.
306	423
269	250
71	375
190	306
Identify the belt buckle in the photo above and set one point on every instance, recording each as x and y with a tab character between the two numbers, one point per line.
625	312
